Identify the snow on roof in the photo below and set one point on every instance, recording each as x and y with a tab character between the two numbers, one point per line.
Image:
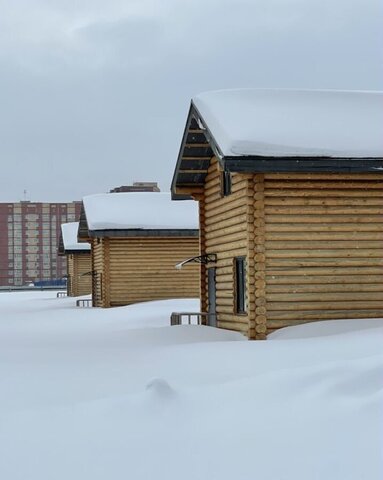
69	235
269	122
141	210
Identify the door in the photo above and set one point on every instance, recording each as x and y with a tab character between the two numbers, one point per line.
211	292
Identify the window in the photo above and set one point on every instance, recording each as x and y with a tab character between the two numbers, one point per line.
225	183
240	284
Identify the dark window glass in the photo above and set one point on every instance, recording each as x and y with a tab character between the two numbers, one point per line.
240	285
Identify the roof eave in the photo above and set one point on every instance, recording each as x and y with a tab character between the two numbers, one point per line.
127	233
177	184
258	164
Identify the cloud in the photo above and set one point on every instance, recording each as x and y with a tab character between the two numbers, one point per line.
102	88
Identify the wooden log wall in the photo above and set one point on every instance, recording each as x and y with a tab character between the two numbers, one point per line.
79	284
98	276
227	230
142	269
323	247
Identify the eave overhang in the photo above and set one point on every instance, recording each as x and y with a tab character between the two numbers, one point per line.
193	158
199	146
257	164
83	230
132	233
76	252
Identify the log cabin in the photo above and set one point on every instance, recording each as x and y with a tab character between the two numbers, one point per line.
79	266
290	192
137	239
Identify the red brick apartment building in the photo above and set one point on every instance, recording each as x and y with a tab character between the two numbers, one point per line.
29	236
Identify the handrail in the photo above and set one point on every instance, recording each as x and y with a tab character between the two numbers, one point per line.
201	317
84	302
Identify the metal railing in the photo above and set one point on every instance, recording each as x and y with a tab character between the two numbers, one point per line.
200	318
84	302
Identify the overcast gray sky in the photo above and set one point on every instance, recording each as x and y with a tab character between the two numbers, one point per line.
94	93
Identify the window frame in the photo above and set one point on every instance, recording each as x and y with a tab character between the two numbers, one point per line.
240	306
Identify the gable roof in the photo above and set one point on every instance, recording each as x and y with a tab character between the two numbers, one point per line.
139	214
263	130
68	239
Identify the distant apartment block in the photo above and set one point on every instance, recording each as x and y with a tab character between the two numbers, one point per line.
29	237
137	187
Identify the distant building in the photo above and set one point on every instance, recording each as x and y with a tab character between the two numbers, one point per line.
29	237
137	187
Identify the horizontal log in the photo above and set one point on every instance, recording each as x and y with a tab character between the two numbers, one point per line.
224	301
323	201
323	227
231	246
339	251
285	237
323	210
212	241
323	184
350	272
322	176
360	193
212	217
329	287
323	297
235	326
230	225
321	315
212	211
324	219
298	306
214	199
286	263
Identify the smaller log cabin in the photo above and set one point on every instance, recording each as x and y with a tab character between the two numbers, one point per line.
290	192
79	265
137	239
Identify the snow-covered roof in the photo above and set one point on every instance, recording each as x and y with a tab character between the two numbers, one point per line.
141	210
306	123
69	236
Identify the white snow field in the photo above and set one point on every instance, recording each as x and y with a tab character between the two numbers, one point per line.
89	394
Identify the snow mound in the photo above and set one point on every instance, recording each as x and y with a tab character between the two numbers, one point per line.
326	328
160	388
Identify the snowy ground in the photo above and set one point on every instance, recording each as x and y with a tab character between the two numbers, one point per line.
89	394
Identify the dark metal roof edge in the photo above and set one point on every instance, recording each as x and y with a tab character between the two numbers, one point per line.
184	232
74	252
253	164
